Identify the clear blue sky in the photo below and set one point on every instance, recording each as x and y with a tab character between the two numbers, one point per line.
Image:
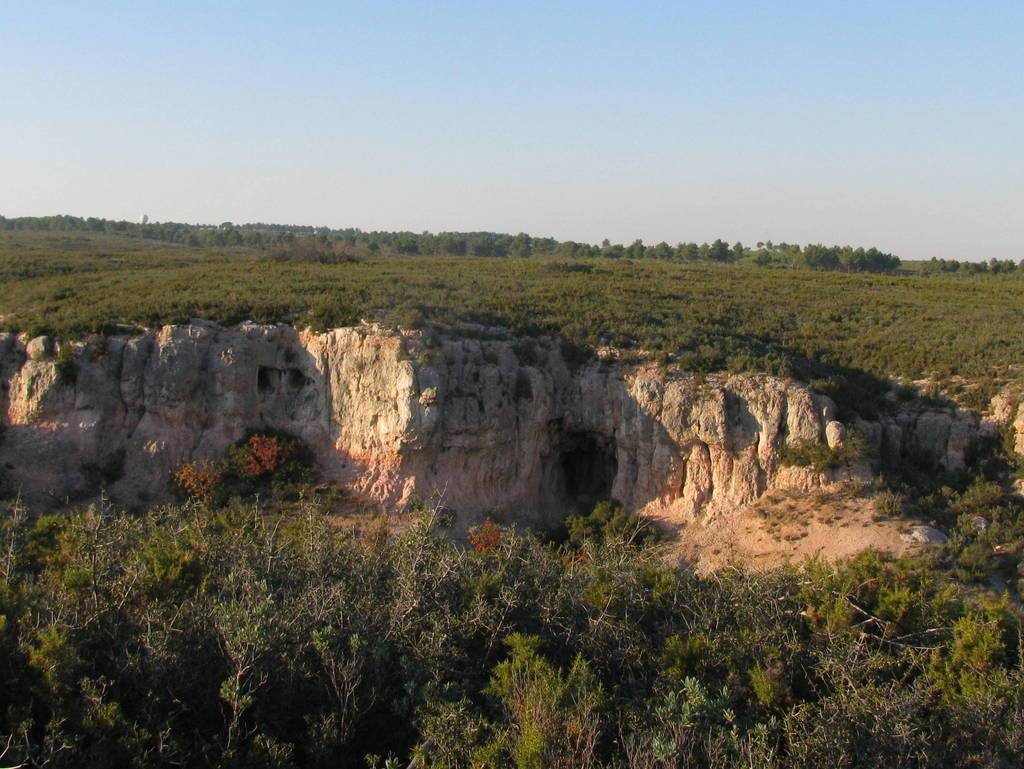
898	124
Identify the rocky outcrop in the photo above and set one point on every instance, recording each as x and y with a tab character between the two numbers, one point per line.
1007	411
493	423
943	438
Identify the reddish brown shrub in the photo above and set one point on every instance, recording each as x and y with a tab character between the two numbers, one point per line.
198	479
485	537
266	454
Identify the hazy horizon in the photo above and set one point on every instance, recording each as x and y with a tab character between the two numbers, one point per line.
817	122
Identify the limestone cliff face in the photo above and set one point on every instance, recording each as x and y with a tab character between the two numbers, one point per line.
493	423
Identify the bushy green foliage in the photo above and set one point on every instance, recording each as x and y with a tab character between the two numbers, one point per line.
987	537
974	664
190	636
609	521
888	504
553	715
821	457
704	315
65	366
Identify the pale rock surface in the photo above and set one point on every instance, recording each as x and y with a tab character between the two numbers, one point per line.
924	535
1003	407
491	422
39	348
1007	410
835	434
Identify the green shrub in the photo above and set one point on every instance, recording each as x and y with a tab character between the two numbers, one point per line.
817	456
609	521
65	365
554	715
888	504
330	313
974	561
978	498
767	685
43	539
973	662
683	658
820	457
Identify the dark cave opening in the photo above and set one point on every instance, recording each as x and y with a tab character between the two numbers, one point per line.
267	380
296	379
588	466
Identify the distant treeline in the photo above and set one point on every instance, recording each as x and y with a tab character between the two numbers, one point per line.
487	244
994	266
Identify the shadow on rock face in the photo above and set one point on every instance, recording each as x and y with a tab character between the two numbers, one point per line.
588	467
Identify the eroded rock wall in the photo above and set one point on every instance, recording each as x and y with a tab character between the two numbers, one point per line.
1007	410
491	422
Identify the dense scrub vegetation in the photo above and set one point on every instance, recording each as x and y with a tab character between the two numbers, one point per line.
222	633
226	631
704	315
199	637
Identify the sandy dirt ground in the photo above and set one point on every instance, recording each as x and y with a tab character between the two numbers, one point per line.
787	527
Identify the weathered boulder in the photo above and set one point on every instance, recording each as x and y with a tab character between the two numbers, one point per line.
924	535
835	434
1003	407
39	348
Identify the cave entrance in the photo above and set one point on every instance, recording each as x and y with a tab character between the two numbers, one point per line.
588	467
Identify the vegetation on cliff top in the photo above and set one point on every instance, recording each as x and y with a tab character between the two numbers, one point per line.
704	314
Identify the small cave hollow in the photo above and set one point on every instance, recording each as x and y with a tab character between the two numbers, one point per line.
296	379
267	380
270	381
587	466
